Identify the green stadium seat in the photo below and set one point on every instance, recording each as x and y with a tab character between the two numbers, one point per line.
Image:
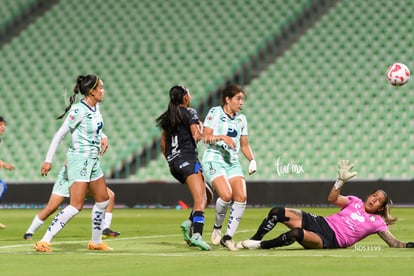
323	89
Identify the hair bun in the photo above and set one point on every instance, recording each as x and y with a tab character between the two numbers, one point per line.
80	78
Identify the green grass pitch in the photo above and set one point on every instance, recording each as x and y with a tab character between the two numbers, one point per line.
151	244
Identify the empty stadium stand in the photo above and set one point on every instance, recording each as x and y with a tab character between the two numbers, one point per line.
323	98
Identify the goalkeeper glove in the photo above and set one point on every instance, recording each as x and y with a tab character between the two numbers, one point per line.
252	167
344	173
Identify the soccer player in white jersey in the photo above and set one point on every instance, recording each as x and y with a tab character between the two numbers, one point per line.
59	193
225	133
84	121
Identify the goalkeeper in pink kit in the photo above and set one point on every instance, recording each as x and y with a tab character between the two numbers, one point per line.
355	221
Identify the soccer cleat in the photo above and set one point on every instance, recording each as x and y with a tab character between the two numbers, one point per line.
2	226
28	236
108	233
239	245
197	240
216	235
101	246
186	229
228	242
251	244
42	246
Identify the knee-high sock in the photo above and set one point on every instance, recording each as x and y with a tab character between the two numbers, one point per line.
107	221
275	215
236	213
36	223
198	222
221	211
98	215
59	222
295	234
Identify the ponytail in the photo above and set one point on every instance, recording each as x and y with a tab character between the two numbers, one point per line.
84	84
71	101
172	117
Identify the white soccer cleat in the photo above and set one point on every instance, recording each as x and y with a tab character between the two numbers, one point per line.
251	244
228	242
239	245
216	236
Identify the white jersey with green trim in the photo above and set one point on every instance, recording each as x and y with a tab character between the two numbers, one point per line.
86	126
222	124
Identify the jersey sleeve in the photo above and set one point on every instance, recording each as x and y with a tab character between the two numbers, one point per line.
194	119
74	118
211	118
60	134
244	130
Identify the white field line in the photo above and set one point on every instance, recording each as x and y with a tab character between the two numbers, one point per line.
31	243
241	253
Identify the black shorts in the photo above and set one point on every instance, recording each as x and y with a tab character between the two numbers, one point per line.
318	225
181	168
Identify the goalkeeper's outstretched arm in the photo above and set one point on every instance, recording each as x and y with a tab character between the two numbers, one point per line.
344	174
394	242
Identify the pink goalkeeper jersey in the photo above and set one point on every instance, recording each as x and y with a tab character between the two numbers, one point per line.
352	223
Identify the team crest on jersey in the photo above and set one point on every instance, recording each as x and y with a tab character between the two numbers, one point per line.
72	116
372	218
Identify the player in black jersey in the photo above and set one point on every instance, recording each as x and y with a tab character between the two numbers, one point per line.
181	130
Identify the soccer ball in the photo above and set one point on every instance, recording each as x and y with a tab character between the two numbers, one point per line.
398	74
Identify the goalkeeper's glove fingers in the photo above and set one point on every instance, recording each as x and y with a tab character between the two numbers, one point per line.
252	167
345	170
344	173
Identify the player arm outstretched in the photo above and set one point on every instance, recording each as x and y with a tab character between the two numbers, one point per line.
394	242
344	174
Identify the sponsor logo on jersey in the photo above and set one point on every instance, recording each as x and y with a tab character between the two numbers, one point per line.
184	164
231	132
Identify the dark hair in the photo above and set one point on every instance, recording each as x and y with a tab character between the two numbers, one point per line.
84	84
385	209
230	91
171	118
